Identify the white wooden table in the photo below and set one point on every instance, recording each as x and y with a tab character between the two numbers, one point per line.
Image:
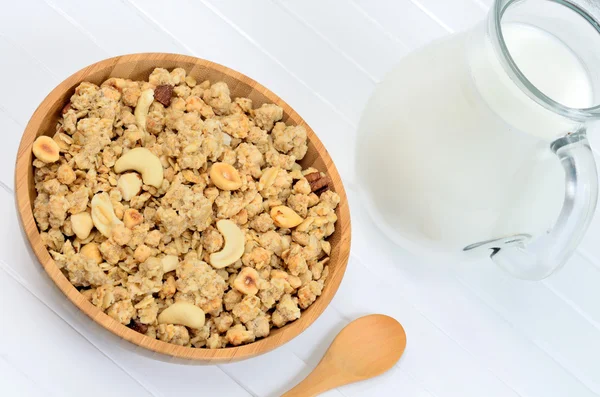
472	331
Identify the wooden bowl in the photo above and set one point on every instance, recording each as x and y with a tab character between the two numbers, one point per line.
138	67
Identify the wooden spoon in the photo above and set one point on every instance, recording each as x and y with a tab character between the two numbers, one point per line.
365	348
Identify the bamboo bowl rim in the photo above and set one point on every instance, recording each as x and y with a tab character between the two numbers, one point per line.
126	64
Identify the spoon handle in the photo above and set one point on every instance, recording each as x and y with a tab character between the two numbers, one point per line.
325	376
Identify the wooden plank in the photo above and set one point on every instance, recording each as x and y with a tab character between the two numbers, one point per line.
577	284
25	93
54	42
545	318
355	36
16	383
11	135
455	16
129	32
404	20
76	364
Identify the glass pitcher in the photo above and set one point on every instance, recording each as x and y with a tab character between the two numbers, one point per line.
476	144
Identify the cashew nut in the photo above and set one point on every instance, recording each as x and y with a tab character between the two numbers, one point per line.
142	107
103	214
183	313
225	177
234	245
170	263
268	178
82	225
285	217
143	161
129	185
46	149
91	251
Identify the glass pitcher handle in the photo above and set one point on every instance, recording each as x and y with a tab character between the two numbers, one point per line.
537	259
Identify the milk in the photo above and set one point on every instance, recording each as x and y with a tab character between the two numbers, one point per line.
451	152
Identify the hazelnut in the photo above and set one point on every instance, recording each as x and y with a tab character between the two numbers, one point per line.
225	177
132	218
46	149
247	281
92	251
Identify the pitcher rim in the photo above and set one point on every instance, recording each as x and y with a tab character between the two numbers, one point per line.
519	77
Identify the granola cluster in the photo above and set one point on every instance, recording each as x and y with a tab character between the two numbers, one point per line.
182	212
